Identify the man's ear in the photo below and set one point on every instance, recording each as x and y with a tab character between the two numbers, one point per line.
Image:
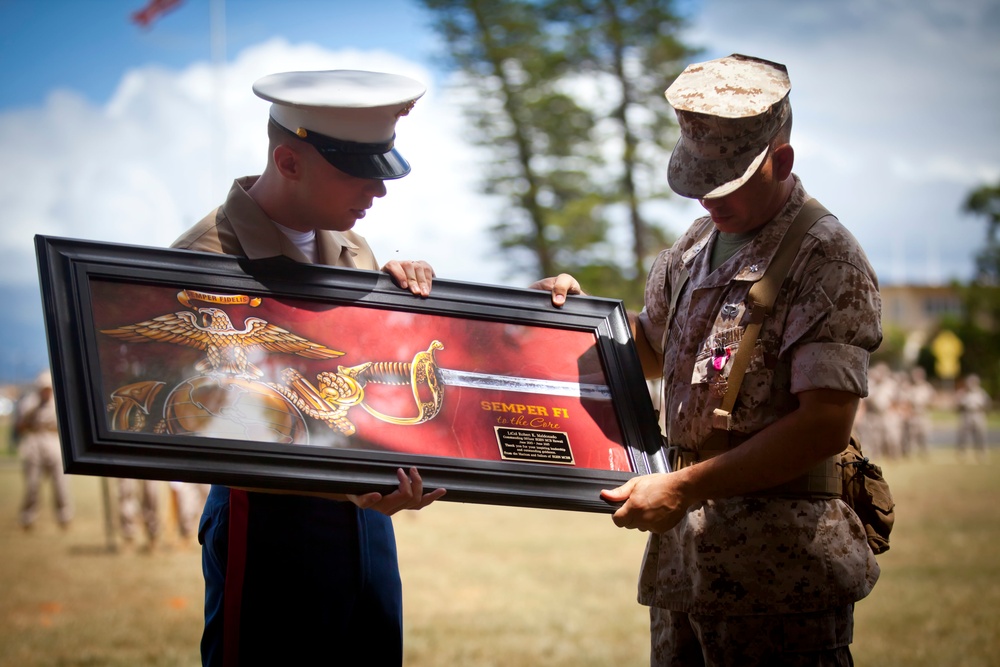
783	157
287	161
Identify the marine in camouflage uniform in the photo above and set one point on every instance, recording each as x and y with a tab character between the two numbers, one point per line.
973	404
732	574
920	396
37	435
139	507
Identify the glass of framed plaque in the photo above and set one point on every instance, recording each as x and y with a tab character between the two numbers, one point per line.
189	366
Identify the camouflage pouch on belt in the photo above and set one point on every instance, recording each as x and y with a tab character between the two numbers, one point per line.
867	493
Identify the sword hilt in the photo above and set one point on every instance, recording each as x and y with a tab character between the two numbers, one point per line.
380	372
421	375
389	372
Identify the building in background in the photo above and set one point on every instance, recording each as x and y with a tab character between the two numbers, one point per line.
917	312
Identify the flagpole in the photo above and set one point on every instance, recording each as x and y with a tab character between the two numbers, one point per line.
217	29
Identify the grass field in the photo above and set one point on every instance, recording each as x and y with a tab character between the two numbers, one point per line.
501	586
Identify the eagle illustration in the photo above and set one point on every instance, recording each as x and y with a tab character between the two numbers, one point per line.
211	330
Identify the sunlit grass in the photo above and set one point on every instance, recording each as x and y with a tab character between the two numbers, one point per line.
501	586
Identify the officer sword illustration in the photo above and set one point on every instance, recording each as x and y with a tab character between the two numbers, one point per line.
334	392
346	387
528	385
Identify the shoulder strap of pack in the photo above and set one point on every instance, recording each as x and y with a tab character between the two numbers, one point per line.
762	297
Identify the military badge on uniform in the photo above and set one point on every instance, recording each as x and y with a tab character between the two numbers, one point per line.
721	356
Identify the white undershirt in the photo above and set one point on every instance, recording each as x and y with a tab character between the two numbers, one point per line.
304	241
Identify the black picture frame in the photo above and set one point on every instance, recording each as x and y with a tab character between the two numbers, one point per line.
80	278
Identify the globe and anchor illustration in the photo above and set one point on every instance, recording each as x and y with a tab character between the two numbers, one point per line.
230	397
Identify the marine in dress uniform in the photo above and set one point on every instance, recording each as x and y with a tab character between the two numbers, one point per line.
294	579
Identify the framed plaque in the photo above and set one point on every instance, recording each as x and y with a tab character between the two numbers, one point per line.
190	366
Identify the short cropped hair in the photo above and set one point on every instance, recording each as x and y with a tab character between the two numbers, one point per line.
784	133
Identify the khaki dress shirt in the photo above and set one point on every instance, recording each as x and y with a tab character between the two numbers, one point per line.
240	227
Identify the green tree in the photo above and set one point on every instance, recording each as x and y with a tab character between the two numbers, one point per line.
536	72
984	201
891	349
632	47
980	326
535	131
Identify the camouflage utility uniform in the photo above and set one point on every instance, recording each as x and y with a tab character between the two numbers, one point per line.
40	454
755	556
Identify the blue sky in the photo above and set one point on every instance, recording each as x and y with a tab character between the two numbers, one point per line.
87	45
116	133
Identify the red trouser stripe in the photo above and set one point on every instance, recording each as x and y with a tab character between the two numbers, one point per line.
236	566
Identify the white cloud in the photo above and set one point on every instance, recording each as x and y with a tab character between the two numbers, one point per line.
948	168
895	114
895	120
163	150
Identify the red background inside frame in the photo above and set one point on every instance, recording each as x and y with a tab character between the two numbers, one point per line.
461	429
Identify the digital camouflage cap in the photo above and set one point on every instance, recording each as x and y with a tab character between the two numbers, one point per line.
728	111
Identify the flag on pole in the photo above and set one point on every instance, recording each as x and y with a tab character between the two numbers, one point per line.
153	10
